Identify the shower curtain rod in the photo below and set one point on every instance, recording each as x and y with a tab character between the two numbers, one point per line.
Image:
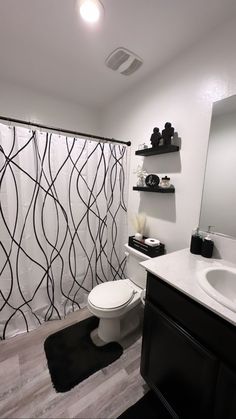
64	131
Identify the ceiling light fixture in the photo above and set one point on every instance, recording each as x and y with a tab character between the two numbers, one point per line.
90	10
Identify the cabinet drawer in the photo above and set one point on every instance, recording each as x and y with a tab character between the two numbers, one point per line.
225	405
200	322
182	369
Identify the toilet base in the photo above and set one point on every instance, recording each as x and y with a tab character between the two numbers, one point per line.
115	329
109	330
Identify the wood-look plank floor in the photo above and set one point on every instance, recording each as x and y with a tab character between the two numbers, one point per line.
26	390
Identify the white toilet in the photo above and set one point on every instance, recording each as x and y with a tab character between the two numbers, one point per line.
117	303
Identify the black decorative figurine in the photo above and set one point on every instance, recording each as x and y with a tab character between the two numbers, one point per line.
167	133
155	137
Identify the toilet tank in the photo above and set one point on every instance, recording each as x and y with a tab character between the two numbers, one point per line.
135	272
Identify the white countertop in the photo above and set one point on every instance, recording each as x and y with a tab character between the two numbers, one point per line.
180	269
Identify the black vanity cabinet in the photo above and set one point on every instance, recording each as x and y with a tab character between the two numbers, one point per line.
188	355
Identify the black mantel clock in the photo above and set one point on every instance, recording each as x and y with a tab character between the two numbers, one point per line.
152	180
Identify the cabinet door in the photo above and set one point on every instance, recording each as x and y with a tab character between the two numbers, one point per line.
226	394
178	366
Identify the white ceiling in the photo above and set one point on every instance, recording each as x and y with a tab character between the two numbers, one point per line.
44	44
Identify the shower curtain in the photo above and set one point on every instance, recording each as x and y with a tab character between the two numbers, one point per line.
62	224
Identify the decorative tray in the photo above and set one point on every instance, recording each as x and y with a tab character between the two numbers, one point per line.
152	251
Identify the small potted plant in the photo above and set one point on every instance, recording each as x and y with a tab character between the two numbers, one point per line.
139	224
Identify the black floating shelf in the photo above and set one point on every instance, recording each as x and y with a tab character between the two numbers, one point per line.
162	149
158	189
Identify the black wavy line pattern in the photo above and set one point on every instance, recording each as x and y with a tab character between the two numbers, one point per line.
62	224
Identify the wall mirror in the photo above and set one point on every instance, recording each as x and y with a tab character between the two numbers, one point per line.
218	206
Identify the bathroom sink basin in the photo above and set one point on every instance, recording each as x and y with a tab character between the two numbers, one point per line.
220	284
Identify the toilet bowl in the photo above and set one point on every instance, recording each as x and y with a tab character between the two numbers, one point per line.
117	303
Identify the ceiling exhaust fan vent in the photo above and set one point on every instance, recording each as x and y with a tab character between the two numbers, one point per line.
123	61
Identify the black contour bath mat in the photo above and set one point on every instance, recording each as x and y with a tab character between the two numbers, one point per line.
148	407
72	356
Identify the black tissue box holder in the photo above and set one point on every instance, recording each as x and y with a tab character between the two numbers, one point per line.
152	251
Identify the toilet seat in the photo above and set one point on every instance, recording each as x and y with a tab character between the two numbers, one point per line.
111	295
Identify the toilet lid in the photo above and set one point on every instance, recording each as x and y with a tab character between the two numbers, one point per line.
110	295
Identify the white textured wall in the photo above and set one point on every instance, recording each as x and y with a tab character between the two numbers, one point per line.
31	105
181	93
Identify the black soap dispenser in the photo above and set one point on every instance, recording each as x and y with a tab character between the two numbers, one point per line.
207	245
196	242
